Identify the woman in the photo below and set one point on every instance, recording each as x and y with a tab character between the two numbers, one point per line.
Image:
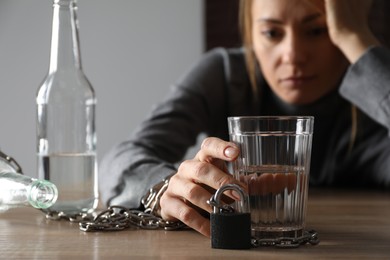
300	57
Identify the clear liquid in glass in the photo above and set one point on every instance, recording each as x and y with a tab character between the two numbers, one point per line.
277	195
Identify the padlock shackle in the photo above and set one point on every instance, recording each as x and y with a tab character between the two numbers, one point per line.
243	204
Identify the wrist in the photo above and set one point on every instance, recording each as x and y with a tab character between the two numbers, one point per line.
151	200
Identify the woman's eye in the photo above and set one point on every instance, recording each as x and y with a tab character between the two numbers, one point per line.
271	34
317	31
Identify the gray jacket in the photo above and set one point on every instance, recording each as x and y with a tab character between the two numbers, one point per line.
218	87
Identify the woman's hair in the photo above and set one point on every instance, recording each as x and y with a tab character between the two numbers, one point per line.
245	24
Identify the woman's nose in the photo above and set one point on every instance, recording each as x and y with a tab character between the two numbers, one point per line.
294	50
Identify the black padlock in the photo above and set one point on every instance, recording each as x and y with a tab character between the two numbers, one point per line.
230	228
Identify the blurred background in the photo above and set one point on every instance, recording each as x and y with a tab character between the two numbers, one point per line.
132	51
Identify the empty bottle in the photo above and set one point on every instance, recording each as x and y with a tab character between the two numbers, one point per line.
18	190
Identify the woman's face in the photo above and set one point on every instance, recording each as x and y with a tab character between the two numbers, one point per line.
296	56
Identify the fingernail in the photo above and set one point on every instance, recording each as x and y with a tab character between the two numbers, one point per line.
230	152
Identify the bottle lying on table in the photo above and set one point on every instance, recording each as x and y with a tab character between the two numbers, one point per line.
18	190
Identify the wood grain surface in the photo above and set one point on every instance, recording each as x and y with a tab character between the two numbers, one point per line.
351	225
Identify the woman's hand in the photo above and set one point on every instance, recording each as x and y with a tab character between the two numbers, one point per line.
195	182
348	26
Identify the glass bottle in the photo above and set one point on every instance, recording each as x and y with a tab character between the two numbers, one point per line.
66	136
18	190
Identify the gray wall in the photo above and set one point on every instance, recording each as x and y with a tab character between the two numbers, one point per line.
131	50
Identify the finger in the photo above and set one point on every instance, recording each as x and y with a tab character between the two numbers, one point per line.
208	174
195	194
213	147
177	209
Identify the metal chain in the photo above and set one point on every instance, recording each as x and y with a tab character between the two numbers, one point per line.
115	218
310	236
78	217
118	218
13	163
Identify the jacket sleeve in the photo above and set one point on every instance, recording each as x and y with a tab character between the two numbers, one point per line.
367	85
130	168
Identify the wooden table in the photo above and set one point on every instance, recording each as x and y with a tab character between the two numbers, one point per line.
350	224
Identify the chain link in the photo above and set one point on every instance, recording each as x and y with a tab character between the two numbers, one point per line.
151	200
12	162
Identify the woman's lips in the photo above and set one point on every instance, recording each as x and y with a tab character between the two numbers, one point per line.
296	81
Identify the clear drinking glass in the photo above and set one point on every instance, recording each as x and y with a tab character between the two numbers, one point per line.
274	162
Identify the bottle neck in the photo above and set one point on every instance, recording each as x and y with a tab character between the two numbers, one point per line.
65	50
42	194
17	190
